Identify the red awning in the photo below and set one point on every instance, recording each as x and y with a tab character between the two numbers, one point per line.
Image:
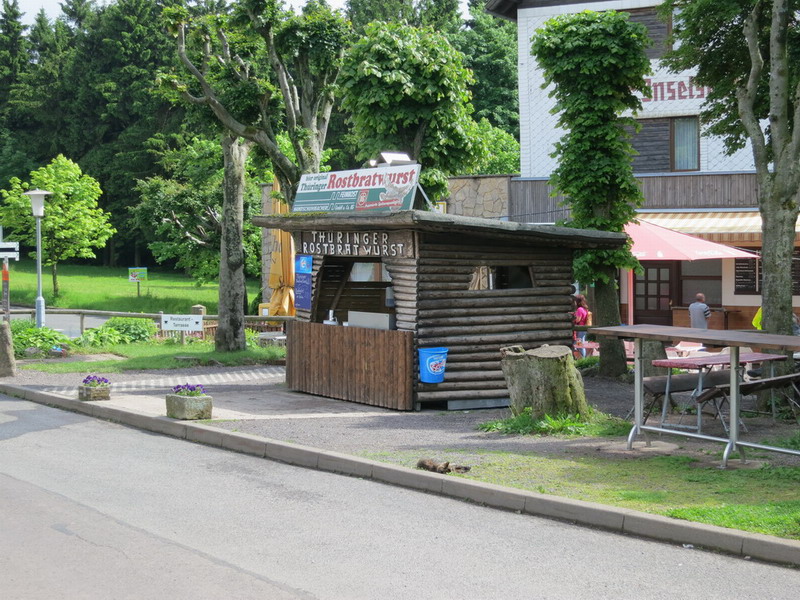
651	242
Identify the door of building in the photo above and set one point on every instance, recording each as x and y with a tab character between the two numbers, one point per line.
653	292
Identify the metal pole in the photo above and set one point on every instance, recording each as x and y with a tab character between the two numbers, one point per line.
39	299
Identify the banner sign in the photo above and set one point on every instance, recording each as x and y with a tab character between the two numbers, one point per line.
182	322
302	281
137	273
378	189
374	244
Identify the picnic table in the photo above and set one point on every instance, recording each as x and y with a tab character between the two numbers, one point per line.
703	365
713	337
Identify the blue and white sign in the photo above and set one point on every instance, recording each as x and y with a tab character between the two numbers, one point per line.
302	281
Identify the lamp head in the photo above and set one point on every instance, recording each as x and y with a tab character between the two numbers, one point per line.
37	201
396	158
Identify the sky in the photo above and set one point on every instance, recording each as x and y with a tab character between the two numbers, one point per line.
52	8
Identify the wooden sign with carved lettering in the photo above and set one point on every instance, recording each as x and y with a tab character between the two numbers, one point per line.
371	244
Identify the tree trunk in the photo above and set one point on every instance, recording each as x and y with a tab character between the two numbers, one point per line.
544	379
778	233
230	330
54	271
606	314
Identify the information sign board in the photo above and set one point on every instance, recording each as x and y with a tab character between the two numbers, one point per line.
373	190
302	281
137	274
182	322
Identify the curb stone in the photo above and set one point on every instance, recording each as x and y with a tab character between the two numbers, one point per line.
619	520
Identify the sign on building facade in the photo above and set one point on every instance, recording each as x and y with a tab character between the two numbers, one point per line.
378	189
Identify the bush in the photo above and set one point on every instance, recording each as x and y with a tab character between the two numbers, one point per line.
133	328
43	339
101	336
18	325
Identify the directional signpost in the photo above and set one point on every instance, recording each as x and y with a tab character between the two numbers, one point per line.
7	250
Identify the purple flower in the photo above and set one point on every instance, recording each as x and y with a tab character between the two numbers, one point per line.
96	381
188	389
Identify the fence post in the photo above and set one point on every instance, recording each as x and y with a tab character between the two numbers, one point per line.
198	309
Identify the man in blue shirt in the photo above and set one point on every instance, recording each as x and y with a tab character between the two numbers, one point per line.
699	312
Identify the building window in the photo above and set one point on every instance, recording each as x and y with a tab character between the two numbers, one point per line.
701	276
668	144
685	144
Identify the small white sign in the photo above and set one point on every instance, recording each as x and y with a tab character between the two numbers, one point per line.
182	322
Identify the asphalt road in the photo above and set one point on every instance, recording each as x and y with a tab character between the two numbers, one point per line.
92	509
69	325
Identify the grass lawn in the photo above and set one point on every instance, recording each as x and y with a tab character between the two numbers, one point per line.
763	500
106	288
147	356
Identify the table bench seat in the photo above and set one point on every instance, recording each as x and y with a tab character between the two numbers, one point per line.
656	386
750	387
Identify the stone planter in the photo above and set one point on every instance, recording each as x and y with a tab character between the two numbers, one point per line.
188	408
97	392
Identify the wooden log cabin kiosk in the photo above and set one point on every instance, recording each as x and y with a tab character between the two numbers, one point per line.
417	279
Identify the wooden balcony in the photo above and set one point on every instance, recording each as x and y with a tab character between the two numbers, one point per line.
530	199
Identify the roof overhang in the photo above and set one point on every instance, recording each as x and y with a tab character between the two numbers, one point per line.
432	222
507	9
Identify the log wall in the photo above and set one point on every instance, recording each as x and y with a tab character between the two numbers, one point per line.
475	324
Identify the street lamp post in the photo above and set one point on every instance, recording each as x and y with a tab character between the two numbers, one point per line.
37	207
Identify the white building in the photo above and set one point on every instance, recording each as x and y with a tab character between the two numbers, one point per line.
689	183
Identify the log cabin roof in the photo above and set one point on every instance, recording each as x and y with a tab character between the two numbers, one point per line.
433	222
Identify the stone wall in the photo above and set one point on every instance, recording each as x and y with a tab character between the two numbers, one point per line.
479	196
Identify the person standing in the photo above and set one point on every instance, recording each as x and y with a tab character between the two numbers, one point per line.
699	312
581	317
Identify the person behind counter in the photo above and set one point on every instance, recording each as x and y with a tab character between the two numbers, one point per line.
699	312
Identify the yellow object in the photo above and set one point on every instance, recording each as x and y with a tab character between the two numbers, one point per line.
757	319
281	270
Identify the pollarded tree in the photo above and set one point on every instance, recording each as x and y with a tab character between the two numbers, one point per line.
181	212
281	79
73	224
595	62
406	89
748	53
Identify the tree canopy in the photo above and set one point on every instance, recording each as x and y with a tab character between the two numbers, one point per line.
748	52
405	89
73	225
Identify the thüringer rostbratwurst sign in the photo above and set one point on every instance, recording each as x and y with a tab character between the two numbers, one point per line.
379	189
376	244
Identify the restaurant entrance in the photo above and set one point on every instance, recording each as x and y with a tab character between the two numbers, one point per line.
653	293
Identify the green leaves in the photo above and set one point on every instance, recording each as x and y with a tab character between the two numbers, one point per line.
73	223
595	61
407	89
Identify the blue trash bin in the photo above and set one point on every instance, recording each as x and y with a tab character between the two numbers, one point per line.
432	364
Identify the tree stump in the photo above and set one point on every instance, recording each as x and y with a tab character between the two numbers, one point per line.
544	379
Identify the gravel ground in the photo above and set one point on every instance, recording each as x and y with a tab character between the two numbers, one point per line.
453	434
437	432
